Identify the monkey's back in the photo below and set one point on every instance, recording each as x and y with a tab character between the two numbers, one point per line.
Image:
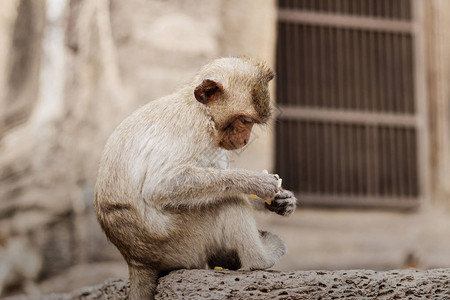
142	150
147	144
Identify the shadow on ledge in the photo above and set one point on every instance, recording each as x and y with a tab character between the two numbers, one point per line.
211	284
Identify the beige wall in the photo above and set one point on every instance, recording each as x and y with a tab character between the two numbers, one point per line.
8	12
437	38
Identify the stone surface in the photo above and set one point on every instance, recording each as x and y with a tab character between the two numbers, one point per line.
210	284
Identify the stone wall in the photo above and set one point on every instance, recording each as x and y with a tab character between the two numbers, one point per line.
350	284
70	71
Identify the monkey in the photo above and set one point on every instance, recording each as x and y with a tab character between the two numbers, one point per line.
164	199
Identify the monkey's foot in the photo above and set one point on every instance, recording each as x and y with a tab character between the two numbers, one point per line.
284	203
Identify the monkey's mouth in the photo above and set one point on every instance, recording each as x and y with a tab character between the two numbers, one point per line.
232	145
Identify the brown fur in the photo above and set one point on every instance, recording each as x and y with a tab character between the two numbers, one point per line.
236	133
207	91
165	198
260	93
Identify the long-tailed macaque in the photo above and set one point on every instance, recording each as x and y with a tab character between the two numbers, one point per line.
163	199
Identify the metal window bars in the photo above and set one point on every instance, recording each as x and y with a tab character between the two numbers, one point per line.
351	95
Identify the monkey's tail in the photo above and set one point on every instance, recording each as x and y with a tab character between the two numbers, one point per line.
143	281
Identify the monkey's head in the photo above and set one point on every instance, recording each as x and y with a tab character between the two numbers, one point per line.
236	94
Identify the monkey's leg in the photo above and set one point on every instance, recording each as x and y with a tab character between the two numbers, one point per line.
255	249
225	258
268	250
274	246
143	281
272	249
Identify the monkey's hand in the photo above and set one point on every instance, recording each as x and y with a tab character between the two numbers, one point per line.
265	186
284	203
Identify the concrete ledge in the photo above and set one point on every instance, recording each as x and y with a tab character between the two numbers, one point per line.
209	284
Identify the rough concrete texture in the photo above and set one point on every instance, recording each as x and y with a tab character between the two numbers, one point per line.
351	284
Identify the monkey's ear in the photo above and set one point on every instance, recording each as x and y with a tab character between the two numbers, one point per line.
207	91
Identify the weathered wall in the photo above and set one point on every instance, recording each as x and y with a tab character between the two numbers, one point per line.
70	71
437	22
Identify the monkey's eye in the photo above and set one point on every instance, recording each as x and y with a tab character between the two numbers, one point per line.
247	120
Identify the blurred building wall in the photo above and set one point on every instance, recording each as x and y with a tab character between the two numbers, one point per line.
437	35
70	71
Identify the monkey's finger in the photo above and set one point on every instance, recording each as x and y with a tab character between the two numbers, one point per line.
284	194
282	210
275	204
286	211
269	206
280	205
286	201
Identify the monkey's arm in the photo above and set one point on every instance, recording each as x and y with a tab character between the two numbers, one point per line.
194	186
257	204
